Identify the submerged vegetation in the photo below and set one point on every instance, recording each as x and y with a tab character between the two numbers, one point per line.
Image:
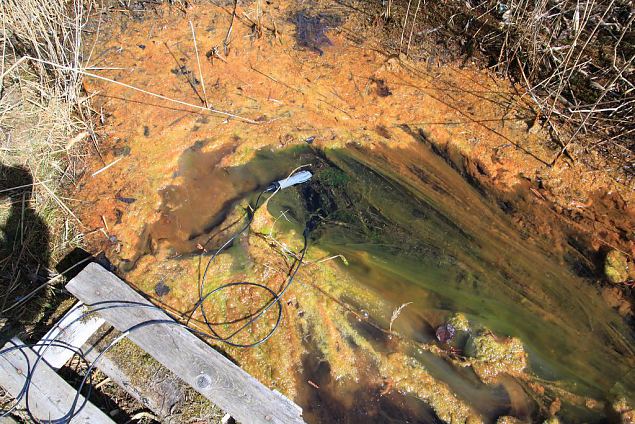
419	296
404	243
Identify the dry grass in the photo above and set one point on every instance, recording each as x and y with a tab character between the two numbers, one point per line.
576	59
45	121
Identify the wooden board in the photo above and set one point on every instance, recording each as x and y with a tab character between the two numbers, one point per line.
72	330
166	395
160	400
50	397
200	366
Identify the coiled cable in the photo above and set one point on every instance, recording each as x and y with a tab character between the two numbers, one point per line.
44	344
275	297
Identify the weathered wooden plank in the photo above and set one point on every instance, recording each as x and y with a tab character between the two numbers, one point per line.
50	397
165	394
73	331
206	370
159	402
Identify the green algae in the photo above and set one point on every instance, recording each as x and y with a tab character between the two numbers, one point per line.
508	420
493	357
460	322
412	377
428	239
510	295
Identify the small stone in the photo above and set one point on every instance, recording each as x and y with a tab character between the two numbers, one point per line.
445	332
161	289
127	200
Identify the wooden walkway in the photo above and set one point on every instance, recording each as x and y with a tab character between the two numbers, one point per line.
188	357
50	397
194	361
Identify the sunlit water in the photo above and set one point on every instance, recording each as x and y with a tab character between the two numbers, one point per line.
413	230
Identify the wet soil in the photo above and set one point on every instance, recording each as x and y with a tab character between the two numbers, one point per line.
432	182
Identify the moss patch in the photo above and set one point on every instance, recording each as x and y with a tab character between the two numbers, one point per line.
493	357
616	267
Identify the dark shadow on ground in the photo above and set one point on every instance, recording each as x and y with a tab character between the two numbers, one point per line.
24	247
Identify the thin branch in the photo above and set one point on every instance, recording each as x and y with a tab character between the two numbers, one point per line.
229	30
198	61
150	93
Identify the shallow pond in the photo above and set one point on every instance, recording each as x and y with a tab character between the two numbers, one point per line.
401	244
412	231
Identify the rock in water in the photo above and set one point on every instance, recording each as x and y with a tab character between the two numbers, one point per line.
161	289
445	333
616	267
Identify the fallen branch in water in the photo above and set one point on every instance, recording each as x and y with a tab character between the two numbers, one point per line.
395	315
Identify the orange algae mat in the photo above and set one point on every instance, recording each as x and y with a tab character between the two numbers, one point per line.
169	183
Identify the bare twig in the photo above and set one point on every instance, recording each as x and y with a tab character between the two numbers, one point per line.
106	167
414	22
598	101
198	61
405	22
227	39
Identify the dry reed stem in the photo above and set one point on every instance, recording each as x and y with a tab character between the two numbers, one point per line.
106	167
396	313
198	62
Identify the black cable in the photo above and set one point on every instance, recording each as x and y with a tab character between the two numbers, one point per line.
100	306
275	300
47	343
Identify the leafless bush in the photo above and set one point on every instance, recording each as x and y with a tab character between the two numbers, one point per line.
575	57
